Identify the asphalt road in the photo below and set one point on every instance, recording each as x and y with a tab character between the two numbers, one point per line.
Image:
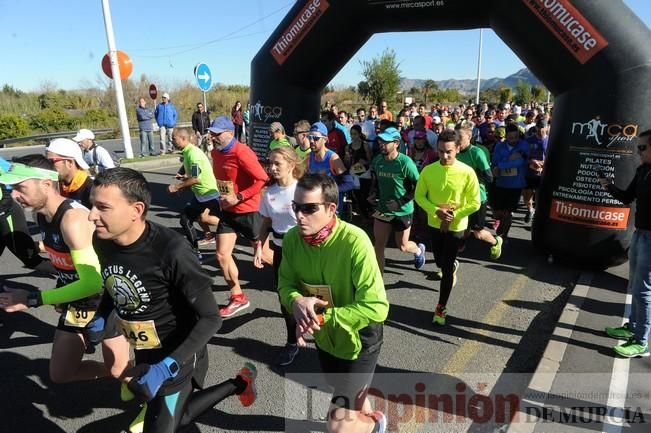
501	315
115	145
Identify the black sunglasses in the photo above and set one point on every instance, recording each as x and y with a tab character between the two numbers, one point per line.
642	147
306	208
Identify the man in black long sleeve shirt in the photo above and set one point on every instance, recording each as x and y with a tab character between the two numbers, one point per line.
163	302
639	255
200	124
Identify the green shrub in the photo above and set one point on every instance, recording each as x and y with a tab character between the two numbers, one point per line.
12	126
52	119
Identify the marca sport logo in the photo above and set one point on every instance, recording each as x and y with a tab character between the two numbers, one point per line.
298	29
571	28
615	218
603	134
265	112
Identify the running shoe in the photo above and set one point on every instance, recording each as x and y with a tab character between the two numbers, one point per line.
622	332
529	215
208	239
380	421
454	273
125	392
248	373
496	250
287	354
235	304
419	259
439	315
138	423
632	349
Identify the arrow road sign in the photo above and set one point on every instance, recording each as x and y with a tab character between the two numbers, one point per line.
203	76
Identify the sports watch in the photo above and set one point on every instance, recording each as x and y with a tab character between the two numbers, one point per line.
239	196
34	300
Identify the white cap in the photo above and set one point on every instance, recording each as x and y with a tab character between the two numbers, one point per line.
83	134
507	106
436	120
517	109
166	95
68	148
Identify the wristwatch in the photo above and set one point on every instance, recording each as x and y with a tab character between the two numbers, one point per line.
239	196
34	300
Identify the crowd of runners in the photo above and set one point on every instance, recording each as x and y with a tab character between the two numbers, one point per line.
429	177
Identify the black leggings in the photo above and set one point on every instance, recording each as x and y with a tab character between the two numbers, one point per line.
15	236
167	414
290	322
445	247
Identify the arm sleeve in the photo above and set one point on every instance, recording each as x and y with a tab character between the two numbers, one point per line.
370	304
251	166
627	195
188	277
89	282
485	177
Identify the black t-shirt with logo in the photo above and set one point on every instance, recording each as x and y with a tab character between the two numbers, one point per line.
157	279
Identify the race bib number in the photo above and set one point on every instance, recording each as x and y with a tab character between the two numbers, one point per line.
448	206
225	187
509	172
320	291
78	317
140	335
382	217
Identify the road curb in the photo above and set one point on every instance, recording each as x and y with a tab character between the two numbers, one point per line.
550	362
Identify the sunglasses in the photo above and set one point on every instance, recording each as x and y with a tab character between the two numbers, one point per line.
300	132
314	137
642	147
55	160
306	208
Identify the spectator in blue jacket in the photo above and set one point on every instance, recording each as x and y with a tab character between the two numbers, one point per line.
166	119
510	159
145	123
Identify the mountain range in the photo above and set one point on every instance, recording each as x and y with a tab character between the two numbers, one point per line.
470	85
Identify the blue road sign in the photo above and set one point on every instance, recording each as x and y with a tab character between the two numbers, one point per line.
204	76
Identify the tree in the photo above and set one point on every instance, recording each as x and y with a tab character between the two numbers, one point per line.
506	94
12	126
522	93
429	87
538	93
364	89
383	76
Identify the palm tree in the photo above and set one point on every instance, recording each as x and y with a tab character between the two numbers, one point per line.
429	87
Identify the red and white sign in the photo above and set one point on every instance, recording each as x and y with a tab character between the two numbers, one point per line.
153	91
570	27
615	218
298	29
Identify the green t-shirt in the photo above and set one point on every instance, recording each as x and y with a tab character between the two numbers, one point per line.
448	186
277	143
477	160
392	177
195	159
346	263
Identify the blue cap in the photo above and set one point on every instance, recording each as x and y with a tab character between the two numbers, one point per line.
319	127
221	124
389	134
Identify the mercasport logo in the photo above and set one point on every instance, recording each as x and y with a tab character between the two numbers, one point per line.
298	29
569	26
593	216
603	134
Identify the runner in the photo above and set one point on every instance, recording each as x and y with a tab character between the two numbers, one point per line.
240	178
538	150
67	235
394	176
510	165
197	175
476	158
74	181
276	210
332	259
164	306
448	191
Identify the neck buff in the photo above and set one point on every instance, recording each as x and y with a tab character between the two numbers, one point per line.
77	182
319	237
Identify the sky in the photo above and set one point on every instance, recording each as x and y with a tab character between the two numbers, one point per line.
60	43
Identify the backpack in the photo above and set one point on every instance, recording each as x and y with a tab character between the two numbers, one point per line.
113	155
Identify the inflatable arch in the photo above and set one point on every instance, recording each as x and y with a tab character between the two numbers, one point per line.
594	55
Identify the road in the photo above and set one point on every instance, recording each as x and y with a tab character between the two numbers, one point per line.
501	317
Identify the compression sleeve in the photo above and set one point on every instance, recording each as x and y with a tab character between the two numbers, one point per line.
89	282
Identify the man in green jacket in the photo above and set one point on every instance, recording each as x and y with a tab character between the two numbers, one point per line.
330	280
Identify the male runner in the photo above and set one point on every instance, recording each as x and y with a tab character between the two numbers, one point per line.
164	305
67	236
393	181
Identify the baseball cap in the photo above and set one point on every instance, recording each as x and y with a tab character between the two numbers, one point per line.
166	95
68	148
18	173
319	127
276	127
83	134
221	124
389	134
436	120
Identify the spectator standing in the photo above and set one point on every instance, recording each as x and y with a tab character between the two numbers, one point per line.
146	127
237	117
200	124
96	156
166	118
